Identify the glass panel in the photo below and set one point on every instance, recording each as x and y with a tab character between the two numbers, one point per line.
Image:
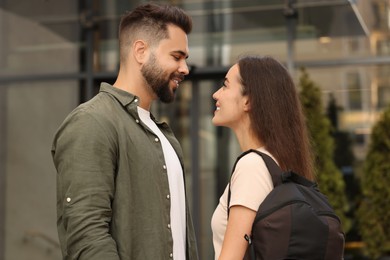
30	115
355	112
106	32
360	93
383	84
325	30
42	37
354	91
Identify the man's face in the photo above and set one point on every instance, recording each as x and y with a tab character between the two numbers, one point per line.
166	66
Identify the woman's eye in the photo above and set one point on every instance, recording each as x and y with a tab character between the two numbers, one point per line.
224	84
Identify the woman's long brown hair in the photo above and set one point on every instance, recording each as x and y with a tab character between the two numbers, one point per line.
276	113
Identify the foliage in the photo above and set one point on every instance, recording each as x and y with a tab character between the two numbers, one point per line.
374	210
329	177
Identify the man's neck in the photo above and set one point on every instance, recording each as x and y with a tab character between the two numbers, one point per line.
135	85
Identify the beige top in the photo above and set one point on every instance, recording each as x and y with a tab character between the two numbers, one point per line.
250	184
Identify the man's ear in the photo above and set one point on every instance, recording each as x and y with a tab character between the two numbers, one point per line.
140	48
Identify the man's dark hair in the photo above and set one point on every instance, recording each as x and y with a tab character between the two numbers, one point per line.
150	21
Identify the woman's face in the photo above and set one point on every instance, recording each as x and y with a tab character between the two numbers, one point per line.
231	105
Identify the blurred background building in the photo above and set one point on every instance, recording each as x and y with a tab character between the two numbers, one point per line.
55	53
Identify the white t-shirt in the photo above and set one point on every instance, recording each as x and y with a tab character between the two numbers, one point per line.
250	184
176	188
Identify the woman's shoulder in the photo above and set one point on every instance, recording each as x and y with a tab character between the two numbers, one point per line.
251	180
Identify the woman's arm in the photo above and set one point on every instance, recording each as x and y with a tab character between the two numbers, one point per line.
239	224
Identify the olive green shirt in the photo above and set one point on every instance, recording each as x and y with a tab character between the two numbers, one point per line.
112	183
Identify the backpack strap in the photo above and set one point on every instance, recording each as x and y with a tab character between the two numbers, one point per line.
277	174
273	168
291	176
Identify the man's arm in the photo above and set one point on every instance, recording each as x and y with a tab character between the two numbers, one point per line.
85	160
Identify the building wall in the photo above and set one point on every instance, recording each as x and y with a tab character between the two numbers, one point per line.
33	114
31	111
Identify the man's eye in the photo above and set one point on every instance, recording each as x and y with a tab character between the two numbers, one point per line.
176	58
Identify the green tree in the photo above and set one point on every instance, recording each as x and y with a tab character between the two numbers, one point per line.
374	210
329	177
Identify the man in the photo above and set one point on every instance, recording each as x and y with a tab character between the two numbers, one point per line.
120	181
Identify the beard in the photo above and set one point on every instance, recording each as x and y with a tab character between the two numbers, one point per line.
158	80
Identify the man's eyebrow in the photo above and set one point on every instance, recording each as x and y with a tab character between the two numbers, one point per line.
182	53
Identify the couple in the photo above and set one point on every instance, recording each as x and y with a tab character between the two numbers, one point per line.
120	181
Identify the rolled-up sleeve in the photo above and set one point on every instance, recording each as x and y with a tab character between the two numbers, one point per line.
85	160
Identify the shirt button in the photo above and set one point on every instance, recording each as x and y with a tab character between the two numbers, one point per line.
136	100
164	167
68	199
168	196
169	225
137	121
156	139
170	255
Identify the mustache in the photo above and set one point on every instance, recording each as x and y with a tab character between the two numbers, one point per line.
178	75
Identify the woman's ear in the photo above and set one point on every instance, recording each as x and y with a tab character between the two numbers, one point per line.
247	105
140	51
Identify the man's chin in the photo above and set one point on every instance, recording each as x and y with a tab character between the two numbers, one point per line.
167	99
167	94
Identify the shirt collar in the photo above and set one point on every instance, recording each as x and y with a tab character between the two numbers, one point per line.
124	97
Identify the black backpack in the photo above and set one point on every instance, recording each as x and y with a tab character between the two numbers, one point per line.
295	220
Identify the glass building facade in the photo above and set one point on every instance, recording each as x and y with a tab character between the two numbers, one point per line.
55	53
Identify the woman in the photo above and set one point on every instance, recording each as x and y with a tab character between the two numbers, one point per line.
259	102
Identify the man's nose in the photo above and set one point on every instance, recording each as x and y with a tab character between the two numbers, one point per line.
183	69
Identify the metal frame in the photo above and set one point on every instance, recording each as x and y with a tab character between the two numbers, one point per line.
194	114
3	147
3	157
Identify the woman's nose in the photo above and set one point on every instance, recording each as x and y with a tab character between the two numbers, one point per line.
215	95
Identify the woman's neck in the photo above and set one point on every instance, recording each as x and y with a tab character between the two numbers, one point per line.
247	139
